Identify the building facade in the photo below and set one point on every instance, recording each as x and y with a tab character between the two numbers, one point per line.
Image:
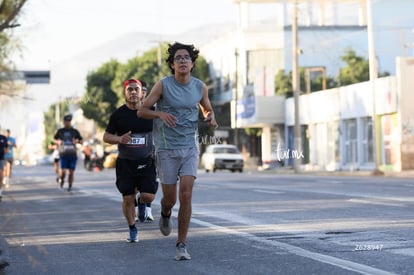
338	124
244	63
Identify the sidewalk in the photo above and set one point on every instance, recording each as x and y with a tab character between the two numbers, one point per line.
283	170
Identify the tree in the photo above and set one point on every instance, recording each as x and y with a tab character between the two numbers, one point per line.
151	67
9	11
145	67
283	83
101	100
317	83
9	14
53	123
356	69
104	86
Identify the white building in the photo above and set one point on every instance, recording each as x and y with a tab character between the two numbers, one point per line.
338	124
245	62
19	113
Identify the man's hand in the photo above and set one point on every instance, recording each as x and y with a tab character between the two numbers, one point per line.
168	119
125	138
211	121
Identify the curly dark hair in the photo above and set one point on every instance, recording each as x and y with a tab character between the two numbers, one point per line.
173	48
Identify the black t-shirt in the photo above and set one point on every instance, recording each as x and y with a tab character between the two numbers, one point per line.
3	145
124	120
67	148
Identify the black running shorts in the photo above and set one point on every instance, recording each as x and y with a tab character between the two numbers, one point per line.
136	174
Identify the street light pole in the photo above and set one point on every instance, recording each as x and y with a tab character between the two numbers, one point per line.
57	114
373	75
159	43
295	85
236	92
159	59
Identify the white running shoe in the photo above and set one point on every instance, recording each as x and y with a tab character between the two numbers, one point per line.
148	214
181	252
6	182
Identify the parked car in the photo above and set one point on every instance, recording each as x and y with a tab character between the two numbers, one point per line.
222	156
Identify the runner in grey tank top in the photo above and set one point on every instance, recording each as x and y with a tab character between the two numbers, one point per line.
180	100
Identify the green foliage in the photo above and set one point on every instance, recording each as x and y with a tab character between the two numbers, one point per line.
356	70
145	67
104	86
317	85
254	131
201	70
53	123
283	84
4	51
9	14
101	99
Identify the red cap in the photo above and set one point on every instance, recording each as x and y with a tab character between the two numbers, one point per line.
128	81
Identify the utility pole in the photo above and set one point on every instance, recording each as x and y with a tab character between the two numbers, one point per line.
296	85
159	43
57	114
159	59
236	92
373	75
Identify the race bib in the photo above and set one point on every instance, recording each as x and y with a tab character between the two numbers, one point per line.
67	148
140	146
137	141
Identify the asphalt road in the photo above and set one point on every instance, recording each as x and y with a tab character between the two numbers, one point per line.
249	223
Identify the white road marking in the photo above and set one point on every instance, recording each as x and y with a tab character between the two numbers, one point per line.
373	201
344	264
267	191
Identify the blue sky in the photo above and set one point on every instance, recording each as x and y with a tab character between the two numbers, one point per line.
55	30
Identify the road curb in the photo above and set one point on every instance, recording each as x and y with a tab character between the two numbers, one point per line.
359	173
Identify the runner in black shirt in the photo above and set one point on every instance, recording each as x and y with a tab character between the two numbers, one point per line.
66	138
135	167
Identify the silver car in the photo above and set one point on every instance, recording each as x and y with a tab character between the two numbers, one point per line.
222	156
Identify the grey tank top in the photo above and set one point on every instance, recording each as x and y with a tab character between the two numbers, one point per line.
182	101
